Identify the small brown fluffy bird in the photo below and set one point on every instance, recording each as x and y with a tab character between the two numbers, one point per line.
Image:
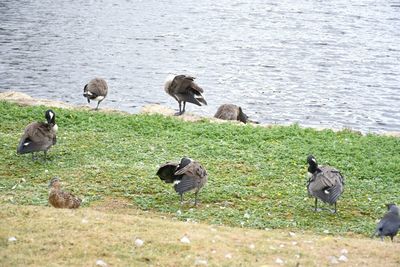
96	89
183	89
61	199
231	112
186	176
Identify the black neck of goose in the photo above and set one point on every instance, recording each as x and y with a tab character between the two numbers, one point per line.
313	167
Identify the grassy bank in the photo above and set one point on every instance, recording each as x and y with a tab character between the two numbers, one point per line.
257	175
49	237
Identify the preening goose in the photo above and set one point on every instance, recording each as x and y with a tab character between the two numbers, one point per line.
231	112
39	136
325	183
183	89
389	224
96	89
186	176
61	199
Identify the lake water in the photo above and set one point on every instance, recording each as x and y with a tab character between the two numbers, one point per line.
316	63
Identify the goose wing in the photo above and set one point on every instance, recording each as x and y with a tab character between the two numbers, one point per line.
326	184
37	136
185	89
166	172
193	176
96	87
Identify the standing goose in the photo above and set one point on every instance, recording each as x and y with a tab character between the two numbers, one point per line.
389	224
39	136
231	112
186	176
184	89
96	89
325	183
61	199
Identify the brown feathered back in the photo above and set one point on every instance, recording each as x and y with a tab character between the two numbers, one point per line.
61	199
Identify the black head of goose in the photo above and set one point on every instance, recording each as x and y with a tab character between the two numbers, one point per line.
96	90
39	136
187	175
326	183
389	224
183	89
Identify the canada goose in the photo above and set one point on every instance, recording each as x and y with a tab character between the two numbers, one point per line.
184	89
231	112
389	224
325	183
61	199
39	136
187	175
96	89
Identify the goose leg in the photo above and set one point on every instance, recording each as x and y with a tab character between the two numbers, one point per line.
315	205
181	199
33	156
184	107
195	198
180	109
45	155
97	107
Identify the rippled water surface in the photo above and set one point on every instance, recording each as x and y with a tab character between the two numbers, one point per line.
318	63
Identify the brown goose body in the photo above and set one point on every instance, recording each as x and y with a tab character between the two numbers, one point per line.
61	199
39	136
187	175
183	89
231	112
96	89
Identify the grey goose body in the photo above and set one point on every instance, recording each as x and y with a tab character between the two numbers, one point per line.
326	183
389	224
186	176
39	136
183	89
96	90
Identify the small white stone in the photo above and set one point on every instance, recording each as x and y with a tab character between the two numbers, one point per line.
101	263
228	256
333	260
279	261
185	240
326	231
46	171
292	234
343	258
213	229
213	251
241	223
252	246
297	256
201	262
344	251
178	212
246	215
84	221
191	210
12	239
139	242
294	243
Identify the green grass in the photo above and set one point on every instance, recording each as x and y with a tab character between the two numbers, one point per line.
257	171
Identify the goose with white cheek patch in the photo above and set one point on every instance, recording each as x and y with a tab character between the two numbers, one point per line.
183	89
186	176
39	136
326	183
96	90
